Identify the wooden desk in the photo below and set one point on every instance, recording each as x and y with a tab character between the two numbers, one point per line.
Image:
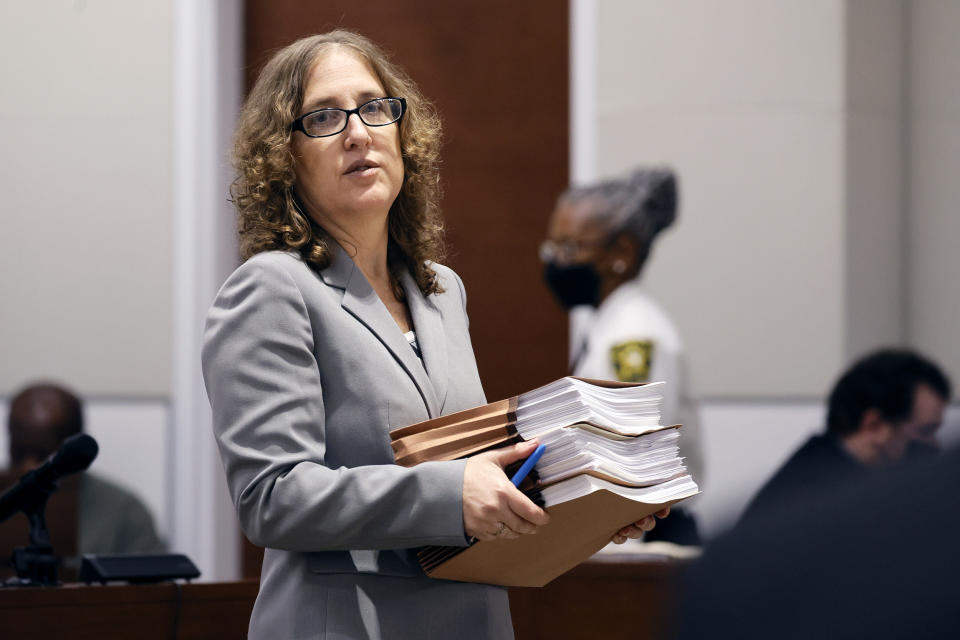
145	612
616	598
599	599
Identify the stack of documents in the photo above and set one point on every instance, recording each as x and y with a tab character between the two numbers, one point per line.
607	463
628	460
620	408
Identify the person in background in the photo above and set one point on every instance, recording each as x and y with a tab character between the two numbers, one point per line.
599	239
111	518
887	407
875	559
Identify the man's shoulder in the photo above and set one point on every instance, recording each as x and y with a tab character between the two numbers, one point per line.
816	466
819	460
113	519
820	448
97	490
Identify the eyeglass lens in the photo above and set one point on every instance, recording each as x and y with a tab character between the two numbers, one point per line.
375	113
561	252
566	252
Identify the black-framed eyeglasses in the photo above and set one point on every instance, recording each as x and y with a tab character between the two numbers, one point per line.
378	112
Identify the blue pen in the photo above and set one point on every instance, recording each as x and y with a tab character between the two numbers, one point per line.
527	466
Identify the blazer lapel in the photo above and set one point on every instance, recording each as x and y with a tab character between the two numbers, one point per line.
361	301
428	324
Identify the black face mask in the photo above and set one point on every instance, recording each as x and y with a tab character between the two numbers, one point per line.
573	285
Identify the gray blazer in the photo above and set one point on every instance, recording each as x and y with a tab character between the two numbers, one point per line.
307	373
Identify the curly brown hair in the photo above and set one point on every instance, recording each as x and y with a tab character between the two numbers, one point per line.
269	214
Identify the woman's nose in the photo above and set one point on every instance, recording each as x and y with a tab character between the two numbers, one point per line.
356	132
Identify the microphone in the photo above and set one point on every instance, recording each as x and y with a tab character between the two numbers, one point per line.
75	454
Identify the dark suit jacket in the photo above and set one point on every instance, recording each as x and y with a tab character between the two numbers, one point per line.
875	559
819	467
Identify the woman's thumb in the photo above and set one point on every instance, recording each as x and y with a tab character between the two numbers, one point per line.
518	451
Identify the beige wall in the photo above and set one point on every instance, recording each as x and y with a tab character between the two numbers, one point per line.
85	248
874	181
817	144
745	99
933	299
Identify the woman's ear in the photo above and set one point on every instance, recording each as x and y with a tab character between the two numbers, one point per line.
622	256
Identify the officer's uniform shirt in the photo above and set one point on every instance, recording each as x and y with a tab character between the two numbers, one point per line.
630	338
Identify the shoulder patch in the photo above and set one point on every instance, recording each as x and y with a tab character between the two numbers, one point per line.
632	360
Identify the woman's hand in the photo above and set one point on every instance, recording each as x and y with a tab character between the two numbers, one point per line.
638	528
492	507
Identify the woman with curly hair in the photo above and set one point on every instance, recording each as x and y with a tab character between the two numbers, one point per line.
340	326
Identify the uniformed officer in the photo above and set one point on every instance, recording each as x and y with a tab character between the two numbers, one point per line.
598	240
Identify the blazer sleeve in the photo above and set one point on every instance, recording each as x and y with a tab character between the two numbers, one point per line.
264	387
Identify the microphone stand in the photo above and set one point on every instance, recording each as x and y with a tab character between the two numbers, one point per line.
36	564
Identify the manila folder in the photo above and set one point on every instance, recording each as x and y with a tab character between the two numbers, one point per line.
577	529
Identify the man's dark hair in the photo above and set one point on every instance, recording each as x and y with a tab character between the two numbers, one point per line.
885	380
41	417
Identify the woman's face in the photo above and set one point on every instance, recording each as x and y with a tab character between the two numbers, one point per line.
575	233
353	177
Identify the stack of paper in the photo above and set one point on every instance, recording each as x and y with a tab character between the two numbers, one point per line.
617	407
608	462
633	461
627	410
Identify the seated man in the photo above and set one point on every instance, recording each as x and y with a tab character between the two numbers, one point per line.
886	407
874	559
111	518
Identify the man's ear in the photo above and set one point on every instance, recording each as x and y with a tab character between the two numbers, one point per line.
871	420
875	428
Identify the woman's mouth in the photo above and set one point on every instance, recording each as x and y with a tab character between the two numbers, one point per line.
362	168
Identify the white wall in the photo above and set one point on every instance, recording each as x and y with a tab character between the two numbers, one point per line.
816	144
874	180
934	190
745	100
85	250
85	268
208	85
